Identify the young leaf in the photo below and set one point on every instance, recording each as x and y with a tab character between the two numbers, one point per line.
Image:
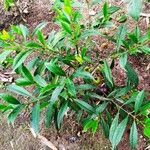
35	118
41	37
23	82
19	90
20	58
134	9
105	11
66	27
14	114
138	101
85	106
33	45
133	136
10	99
61	114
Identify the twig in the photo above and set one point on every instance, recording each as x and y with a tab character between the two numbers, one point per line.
43	140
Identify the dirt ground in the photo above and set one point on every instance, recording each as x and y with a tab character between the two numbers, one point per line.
70	137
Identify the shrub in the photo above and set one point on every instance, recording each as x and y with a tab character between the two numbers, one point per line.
64	77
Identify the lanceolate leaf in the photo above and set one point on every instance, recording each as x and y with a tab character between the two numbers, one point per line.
26	73
113	127
139	100
14	114
35	118
85	106
55	69
61	114
123	60
10	99
134	9
24	30
23	82
132	75
133	136
105	10
122	30
119	133
19	90
55	94
71	88
40	81
20	58
107	72
4	55
39	28
50	108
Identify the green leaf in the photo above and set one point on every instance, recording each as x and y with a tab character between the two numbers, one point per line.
105	11
14	114
70	87
119	133
20	58
49	115
61	114
26	73
33	45
10	99
147	131
133	136
50	108
83	74
105	127
24	30
132	75
39	28
23	82
107	72
4	55
55	69
101	108
35	118
138	101
134	9
19	90
41	38
122	30
56	93
113	9
66	27
48	88
113	127
40	81
85	106
123	60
